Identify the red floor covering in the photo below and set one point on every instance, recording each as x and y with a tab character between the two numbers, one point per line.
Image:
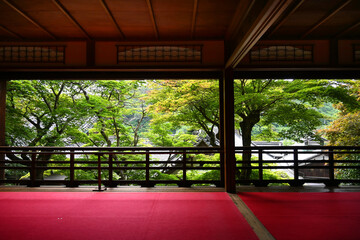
155	216
307	216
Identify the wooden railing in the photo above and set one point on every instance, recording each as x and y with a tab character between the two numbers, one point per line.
300	164
297	165
105	163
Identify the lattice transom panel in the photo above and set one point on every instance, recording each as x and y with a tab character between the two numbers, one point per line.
157	53
32	54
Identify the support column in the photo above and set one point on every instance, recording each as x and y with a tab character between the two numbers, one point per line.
229	131
221	131
2	124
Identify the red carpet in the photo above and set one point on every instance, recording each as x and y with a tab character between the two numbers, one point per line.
307	215
130	216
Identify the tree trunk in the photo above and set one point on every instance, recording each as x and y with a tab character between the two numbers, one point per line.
246	127
246	156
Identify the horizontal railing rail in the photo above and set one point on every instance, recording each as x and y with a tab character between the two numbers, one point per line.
148	166
105	163
297	165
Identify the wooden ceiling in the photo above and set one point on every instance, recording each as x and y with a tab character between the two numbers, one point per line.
239	24
115	19
44	20
318	19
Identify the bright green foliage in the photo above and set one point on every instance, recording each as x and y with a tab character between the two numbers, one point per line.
345	131
81	113
205	174
191	103
164	134
40	112
163	113
289	104
115	111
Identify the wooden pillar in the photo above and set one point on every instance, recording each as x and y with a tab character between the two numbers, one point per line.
221	132
2	124
229	131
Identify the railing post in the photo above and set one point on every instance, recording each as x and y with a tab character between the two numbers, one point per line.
99	174
72	170
147	166
261	174
184	182
147	171
296	182
111	170
33	170
331	182
261	178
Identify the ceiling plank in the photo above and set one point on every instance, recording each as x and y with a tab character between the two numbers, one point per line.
265	18
71	18
283	20
5	29
193	22
27	17
326	17
242	10
352	27
112	18
152	17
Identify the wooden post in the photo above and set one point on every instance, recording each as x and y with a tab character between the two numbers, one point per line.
147	170
2	125
184	184
221	133
331	182
72	170
99	189
33	170
261	177
296	182
229	131
111	170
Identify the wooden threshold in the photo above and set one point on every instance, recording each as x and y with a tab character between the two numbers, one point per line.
259	229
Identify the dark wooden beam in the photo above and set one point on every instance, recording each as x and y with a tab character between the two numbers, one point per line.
96	74
90	53
152	18
112	18
352	27
193	22
242	10
61	7
229	131
326	17
298	73
30	19
334	52
269	12
10	32
283	20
